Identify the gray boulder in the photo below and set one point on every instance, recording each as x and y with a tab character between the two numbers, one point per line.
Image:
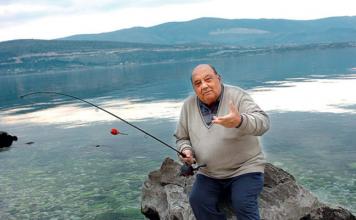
165	197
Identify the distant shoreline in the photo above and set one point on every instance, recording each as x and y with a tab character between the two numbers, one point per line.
36	56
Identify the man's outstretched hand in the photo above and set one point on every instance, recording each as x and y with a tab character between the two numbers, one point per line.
231	120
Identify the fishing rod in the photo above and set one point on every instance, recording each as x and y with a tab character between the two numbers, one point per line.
186	170
96	106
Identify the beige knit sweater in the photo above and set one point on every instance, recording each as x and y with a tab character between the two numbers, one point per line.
227	152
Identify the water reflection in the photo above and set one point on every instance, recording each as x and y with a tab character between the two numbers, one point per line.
75	115
309	95
334	95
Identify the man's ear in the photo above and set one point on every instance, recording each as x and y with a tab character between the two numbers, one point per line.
219	77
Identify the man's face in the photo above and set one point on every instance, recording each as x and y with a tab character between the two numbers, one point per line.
206	84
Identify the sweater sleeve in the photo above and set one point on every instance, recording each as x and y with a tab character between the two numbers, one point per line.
181	134
255	121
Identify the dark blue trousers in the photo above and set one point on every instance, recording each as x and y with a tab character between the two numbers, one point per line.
244	191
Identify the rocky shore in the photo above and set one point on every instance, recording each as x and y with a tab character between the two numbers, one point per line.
165	196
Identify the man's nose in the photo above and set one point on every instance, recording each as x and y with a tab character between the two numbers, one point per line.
204	85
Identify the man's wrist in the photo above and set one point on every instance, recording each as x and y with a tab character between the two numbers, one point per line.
241	120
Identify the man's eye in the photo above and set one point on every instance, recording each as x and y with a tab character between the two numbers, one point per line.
208	79
197	83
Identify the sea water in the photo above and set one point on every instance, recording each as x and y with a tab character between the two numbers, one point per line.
75	169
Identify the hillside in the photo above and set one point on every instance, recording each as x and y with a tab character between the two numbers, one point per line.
242	32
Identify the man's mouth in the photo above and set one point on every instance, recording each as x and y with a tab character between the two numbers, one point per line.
207	92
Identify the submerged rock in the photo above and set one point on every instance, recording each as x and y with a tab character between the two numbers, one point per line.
165	196
6	139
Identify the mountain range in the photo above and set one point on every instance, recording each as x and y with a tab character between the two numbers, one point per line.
238	32
198	39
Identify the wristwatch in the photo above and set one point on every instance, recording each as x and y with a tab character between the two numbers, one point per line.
241	120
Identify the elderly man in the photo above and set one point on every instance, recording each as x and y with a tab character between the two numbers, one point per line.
219	127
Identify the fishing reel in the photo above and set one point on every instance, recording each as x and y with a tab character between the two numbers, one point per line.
187	170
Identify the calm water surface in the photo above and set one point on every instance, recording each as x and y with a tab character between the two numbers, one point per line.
310	96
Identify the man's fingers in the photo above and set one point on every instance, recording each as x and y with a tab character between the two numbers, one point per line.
228	120
219	120
189	160
222	119
216	120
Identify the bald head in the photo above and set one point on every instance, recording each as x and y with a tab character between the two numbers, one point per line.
204	67
206	83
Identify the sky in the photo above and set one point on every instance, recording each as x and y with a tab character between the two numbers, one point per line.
50	19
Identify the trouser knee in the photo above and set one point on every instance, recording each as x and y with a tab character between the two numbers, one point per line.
193	199
245	191
196	200
245	205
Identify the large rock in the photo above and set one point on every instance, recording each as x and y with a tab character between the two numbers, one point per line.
165	196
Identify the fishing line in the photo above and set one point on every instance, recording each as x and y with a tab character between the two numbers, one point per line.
110	113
